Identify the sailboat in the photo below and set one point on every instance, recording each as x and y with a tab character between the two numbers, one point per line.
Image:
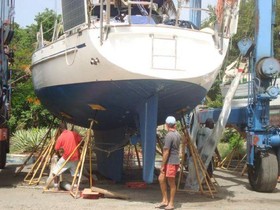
127	67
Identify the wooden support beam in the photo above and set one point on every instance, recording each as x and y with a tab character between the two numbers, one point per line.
199	166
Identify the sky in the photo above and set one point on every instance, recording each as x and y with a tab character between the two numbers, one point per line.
26	10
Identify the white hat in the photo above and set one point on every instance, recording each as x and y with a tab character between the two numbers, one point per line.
170	120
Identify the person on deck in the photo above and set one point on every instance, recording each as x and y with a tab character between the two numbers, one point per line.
170	163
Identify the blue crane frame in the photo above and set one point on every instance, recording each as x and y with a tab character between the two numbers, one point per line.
263	140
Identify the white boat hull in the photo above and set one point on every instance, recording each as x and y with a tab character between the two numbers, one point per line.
133	64
126	69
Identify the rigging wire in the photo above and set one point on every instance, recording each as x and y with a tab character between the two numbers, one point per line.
51	16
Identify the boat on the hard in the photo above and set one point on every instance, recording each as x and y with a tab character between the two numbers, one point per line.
127	66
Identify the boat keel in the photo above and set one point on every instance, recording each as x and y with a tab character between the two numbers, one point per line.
148	112
109	155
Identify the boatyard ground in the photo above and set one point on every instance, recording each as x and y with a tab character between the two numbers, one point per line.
234	192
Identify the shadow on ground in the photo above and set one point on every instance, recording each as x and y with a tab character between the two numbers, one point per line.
8	178
149	194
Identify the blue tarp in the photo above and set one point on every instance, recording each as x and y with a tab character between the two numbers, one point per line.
138	19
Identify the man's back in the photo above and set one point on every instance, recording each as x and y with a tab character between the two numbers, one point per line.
202	135
172	142
68	141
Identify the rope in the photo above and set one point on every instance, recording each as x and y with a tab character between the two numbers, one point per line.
75	51
108	151
221	4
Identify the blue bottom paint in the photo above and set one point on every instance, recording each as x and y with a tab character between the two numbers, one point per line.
134	104
148	127
120	98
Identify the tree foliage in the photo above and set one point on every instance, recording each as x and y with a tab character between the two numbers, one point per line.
276	34
27	111
246	28
47	19
25	141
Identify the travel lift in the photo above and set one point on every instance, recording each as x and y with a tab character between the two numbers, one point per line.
263	140
6	58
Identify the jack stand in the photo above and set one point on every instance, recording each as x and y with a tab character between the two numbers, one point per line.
198	164
44	139
41	163
226	162
130	156
79	170
159	147
245	169
240	161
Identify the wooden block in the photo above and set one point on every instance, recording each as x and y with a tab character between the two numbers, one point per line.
89	194
109	194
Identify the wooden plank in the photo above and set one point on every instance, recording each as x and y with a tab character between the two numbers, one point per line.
89	194
108	193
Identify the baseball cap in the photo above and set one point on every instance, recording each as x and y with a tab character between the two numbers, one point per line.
170	120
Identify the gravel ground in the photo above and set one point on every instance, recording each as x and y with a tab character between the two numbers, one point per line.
233	192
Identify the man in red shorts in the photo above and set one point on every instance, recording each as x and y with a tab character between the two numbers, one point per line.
170	163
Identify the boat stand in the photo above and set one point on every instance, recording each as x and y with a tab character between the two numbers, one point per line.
205	183
130	156
79	170
244	170
74	189
227	161
43	142
241	163
159	147
43	160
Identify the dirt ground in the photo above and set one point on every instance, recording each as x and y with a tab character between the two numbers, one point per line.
233	192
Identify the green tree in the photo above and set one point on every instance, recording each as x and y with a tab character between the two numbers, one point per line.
47	19
246	28
211	17
277	32
214	97
27	111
